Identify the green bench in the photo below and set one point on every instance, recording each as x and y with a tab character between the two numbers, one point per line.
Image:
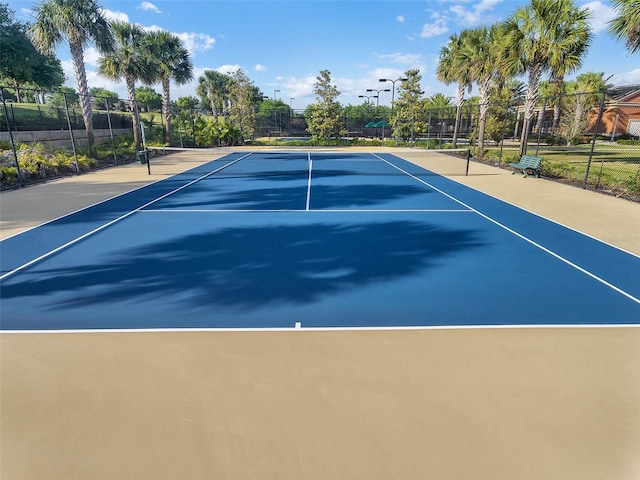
527	162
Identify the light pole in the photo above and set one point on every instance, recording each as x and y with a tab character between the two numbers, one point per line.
393	90
291	99
393	94
378	105
367	97
275	110
378	92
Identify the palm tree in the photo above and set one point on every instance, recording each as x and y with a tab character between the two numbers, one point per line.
626	26
485	52
79	22
566	55
543	34
172	62
213	86
587	90
452	68
128	61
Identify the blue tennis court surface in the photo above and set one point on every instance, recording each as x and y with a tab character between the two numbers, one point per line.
278	240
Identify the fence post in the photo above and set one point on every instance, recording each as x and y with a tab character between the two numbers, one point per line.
113	142
429	130
13	144
543	113
504	125
593	140
73	143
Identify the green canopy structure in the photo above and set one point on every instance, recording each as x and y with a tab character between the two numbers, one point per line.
379	124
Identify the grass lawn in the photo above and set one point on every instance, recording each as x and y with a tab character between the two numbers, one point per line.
615	167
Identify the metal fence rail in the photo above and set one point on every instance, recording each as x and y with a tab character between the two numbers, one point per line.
590	139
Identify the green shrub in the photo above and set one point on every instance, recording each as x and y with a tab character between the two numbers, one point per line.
627	141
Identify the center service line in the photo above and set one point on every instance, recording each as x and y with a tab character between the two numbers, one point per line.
309	182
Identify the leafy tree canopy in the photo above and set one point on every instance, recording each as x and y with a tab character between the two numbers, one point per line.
148	98
189	102
325	116
20	62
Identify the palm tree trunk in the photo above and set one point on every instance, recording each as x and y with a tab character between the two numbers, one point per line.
77	58
166	107
214	109
530	104
484	110
131	90
557	102
459	101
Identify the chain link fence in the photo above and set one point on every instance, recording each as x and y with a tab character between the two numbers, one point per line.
588	139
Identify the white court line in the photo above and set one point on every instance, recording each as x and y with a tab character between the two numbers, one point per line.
295	328
108	224
328	210
527	239
309	182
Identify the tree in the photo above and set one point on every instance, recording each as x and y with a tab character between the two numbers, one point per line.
566	55
325	116
78	22
20	63
103	94
486	52
148	99
242	111
357	116
127	61
453	68
586	91
187	103
64	97
409	108
626	26
541	34
274	111
213	88
173	63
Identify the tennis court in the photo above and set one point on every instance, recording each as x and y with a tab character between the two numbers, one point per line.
310	240
324	314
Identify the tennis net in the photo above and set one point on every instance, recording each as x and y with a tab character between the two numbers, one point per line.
448	162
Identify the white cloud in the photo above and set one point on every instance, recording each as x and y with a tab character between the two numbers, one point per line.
601	14
260	68
196	42
402	58
152	28
434	29
376	74
628	78
228	68
300	88
111	15
91	56
400	18
477	14
150	7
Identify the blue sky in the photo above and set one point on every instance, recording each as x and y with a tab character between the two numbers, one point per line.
283	45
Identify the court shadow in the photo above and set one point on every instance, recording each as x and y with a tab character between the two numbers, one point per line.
251	267
263	196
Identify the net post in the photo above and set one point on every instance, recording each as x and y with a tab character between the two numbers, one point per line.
466	173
